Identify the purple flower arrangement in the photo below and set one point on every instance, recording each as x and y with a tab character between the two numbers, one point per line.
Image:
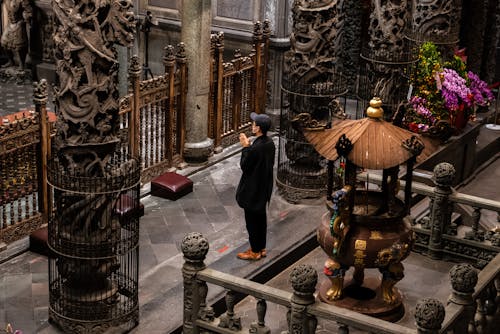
443	91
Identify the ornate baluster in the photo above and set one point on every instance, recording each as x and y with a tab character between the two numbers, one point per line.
444	173
479	322
195	248
27	181
206	312
429	316
496	297
463	279
34	182
12	190
491	308
158	129
343	329
228	320
304	279
260	327
4	199
20	183
475	234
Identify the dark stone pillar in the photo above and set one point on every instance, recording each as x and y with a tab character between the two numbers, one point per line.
196	20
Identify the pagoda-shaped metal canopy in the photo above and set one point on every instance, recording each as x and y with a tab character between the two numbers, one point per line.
364	224
376	144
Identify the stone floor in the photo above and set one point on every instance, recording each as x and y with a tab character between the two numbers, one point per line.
210	209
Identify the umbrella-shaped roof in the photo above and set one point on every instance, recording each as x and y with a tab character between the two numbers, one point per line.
376	144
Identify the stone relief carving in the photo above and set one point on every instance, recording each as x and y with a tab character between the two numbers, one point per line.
310	82
16	36
315	39
87	66
436	19
387	23
386	44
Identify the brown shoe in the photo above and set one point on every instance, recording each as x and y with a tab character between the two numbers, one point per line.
249	255
263	253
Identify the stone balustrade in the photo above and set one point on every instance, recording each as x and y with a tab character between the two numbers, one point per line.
437	234
468	288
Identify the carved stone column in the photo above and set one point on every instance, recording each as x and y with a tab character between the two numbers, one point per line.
93	231
444	173
386	54
196	20
463	279
429	315
304	279
437	21
194	246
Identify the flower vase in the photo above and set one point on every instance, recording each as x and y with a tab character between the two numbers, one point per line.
459	119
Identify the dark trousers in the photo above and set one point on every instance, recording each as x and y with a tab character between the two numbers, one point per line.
256	222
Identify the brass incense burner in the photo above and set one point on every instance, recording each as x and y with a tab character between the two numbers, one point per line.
365	226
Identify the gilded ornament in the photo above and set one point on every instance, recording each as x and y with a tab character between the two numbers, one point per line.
360	244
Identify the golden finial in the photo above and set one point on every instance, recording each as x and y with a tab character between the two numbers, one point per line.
375	109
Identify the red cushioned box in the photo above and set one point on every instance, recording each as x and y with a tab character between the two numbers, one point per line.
38	241
171	186
127	208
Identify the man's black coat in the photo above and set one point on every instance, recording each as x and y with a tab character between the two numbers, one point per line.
256	183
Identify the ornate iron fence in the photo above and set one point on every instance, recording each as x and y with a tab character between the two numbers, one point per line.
237	87
23	154
152	115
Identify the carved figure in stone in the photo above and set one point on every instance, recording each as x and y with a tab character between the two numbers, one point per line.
386	42
387	24
15	37
315	39
87	98
436	18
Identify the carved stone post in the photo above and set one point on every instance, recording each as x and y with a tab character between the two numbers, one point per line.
219	63
194	247
40	100
463	279
169	64
196	20
429	315
181	60
444	173
134	135
304	279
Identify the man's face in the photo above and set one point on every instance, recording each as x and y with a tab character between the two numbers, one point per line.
255	128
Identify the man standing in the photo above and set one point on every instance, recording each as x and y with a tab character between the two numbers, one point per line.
256	184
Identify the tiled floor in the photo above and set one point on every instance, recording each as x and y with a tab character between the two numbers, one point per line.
211	210
17	95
